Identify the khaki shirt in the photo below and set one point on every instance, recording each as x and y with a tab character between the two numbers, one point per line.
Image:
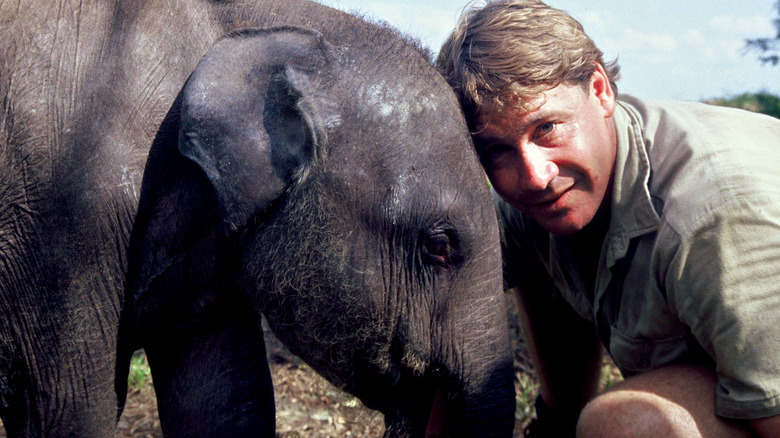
690	266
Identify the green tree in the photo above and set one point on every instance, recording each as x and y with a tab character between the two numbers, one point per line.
764	103
769	48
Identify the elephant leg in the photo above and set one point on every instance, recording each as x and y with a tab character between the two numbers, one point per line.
218	371
56	366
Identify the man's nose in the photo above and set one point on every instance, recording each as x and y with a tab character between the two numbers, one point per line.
536	169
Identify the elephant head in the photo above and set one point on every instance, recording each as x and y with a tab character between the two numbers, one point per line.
332	188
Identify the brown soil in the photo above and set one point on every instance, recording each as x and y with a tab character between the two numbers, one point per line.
306	404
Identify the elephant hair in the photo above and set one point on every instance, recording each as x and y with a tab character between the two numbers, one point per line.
291	271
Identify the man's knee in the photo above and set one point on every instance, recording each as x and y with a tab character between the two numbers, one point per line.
635	413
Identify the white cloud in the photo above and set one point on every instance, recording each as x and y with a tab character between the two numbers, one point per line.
641	49
694	38
718	41
741	26
595	22
653	41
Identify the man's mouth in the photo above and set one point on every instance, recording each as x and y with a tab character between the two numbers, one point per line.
546	198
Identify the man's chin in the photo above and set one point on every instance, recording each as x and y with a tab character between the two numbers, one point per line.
563	230
563	225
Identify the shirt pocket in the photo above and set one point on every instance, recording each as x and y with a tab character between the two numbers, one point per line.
635	355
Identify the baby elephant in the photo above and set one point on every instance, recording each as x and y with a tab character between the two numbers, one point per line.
175	170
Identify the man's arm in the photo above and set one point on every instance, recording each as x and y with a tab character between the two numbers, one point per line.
565	350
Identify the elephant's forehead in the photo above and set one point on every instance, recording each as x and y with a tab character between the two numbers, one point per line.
405	132
414	116
397	103
405	141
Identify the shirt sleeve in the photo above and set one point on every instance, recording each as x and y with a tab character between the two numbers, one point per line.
724	281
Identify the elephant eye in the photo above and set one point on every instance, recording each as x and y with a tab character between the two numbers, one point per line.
440	247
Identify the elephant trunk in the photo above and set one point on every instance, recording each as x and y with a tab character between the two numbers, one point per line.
467	391
486	410
448	403
480	398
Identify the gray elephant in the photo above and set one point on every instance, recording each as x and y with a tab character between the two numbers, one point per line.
310	167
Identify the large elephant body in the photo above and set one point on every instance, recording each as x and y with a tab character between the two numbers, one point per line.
311	167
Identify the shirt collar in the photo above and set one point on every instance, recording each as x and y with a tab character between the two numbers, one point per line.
632	212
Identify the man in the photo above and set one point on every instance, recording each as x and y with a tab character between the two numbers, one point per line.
652	228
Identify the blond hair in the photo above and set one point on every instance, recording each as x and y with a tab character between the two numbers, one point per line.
501	56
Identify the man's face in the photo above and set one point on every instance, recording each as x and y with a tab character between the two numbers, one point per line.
554	163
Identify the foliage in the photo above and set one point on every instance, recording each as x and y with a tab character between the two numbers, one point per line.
526	390
764	103
140	376
768	47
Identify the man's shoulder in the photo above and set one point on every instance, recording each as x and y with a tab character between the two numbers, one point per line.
700	126
705	158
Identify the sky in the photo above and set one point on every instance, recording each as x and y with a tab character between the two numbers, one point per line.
667	49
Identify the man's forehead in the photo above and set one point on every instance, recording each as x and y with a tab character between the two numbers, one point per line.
507	119
505	124
493	125
558	101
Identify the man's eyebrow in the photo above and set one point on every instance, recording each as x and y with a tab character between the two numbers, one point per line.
537	118
534	120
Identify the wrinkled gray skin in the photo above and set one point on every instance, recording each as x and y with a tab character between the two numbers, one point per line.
320	174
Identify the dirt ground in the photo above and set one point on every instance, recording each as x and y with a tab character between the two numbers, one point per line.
308	406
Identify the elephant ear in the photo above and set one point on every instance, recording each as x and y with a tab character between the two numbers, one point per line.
254	113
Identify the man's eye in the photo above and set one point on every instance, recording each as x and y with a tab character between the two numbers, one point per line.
544	129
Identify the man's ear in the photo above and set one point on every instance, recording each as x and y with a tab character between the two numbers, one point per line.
601	88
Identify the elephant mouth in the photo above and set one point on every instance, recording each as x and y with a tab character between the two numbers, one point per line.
441	403
430	425
423	411
437	424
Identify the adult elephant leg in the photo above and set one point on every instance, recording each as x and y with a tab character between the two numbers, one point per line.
70	396
56	362
219	371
